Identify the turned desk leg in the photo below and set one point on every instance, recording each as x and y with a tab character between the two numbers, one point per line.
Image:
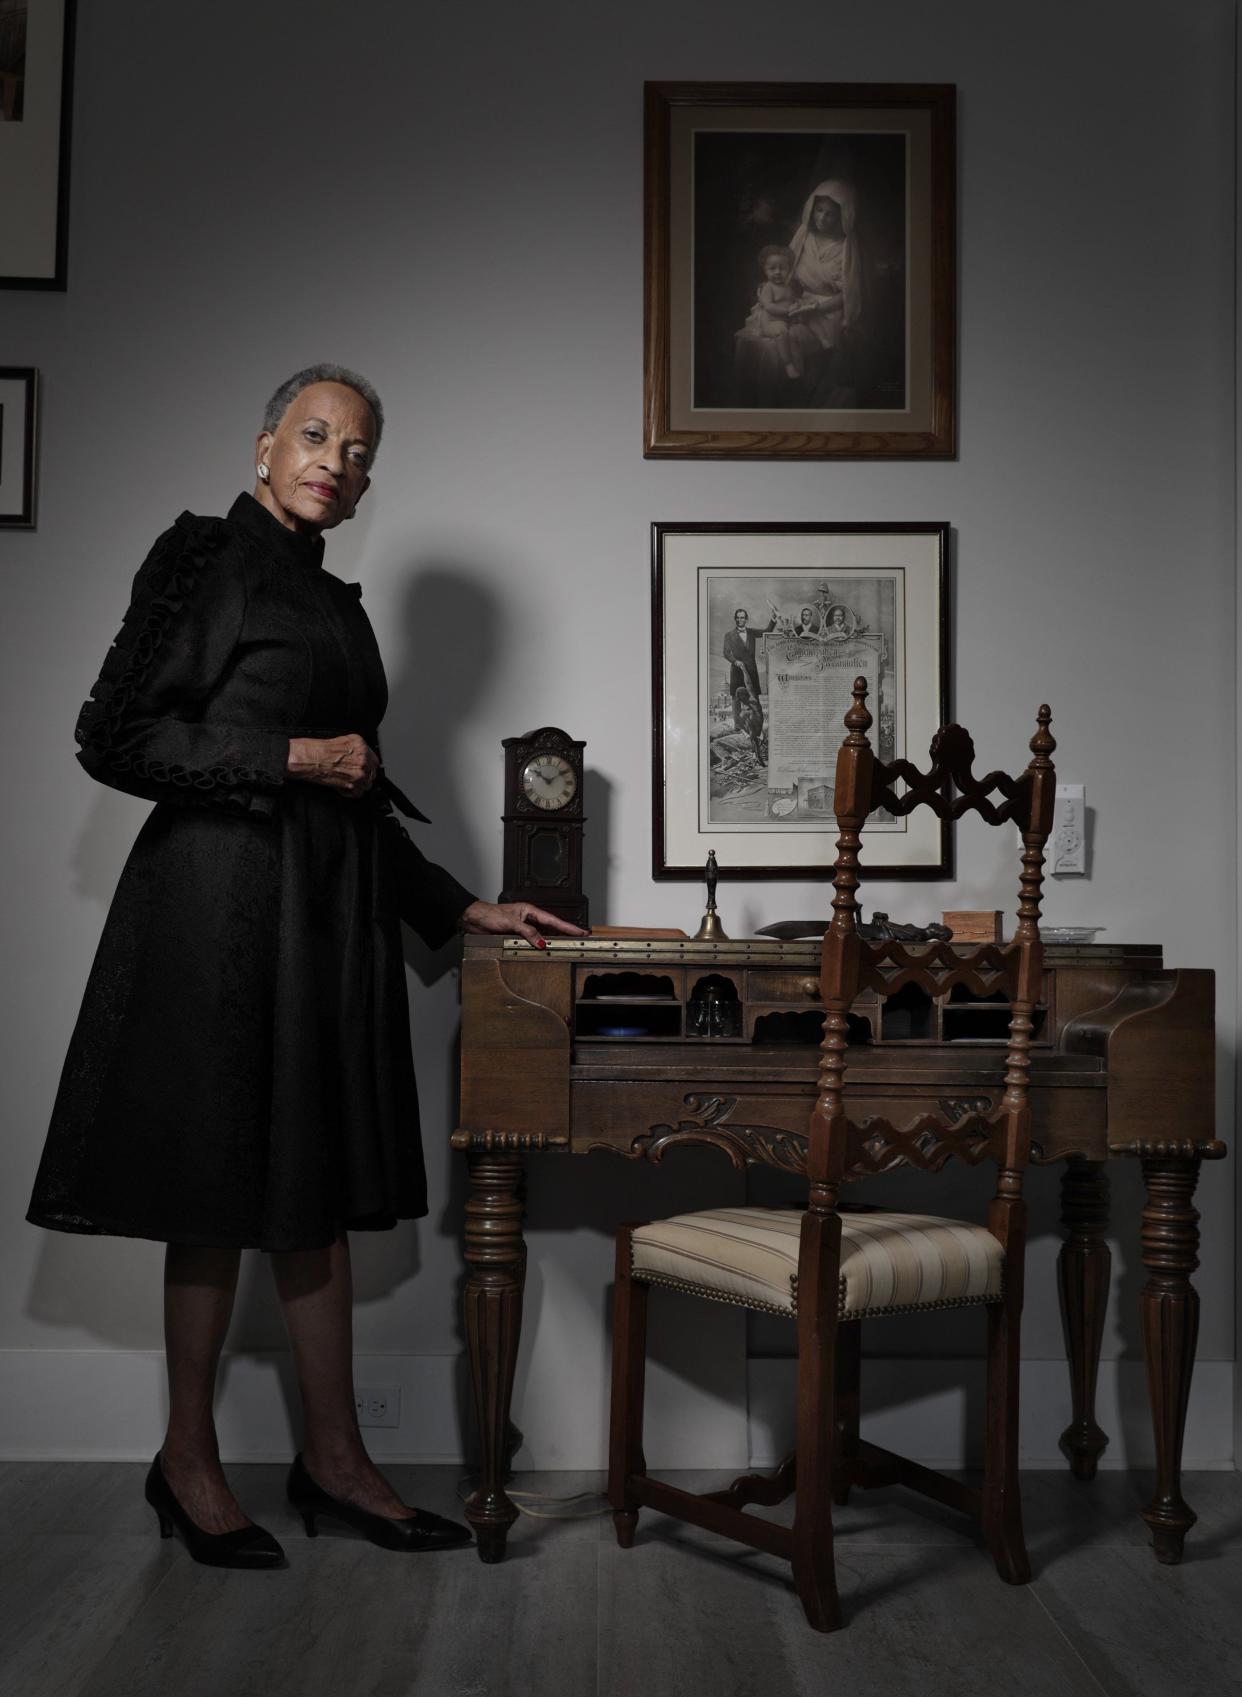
496	1257
1082	1275
1170	1315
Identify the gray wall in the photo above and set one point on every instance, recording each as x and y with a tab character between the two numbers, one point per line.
453	205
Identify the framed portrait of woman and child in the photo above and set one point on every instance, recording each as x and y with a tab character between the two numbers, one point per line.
799	271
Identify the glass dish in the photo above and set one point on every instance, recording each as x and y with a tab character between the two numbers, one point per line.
1070	933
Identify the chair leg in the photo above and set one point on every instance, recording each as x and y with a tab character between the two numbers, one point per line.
629	1362
848	1372
1002	1501
814	1569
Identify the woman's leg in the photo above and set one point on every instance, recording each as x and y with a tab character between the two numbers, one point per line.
315	1287
199	1286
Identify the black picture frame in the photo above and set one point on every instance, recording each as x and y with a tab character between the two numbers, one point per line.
19	413
39	162
879	594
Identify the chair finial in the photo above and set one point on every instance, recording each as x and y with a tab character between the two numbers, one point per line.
857	719
1043	743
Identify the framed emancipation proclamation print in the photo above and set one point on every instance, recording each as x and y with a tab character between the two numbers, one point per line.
799	271
758	632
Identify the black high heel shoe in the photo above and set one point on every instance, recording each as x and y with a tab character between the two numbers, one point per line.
419	1531
249	1546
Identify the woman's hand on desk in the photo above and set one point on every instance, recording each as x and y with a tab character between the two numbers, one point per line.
346	764
515	919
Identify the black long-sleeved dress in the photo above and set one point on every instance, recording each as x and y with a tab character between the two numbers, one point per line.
240	1072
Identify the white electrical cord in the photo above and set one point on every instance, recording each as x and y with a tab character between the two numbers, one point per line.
555	1508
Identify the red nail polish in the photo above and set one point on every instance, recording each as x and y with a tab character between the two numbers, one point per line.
540	943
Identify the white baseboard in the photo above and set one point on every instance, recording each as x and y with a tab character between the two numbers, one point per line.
932	1410
109	1405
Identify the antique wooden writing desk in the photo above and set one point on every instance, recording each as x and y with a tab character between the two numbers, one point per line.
635	1046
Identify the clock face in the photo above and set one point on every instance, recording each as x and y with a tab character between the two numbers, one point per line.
549	782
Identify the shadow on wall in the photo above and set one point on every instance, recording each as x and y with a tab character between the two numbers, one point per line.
596	838
93	1284
112	823
449	608
572	1194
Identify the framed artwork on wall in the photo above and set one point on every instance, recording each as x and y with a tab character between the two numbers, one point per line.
799	271
758	632
19	385
36	78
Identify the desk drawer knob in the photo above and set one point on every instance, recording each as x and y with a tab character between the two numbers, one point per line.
810	987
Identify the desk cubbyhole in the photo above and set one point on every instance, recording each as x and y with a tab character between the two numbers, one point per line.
628	987
986	1024
805	1026
963	993
909	1016
626	1006
628	1021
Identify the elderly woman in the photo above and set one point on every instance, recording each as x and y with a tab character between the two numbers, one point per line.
240	1074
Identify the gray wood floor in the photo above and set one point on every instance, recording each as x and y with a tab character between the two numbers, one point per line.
93	1602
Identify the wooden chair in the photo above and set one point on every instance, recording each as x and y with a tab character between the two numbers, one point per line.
828	1269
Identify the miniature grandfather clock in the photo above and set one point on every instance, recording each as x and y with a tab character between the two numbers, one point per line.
543	823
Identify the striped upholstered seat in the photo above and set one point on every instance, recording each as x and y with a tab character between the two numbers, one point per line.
890	1263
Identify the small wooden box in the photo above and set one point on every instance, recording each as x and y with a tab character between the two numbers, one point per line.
975	926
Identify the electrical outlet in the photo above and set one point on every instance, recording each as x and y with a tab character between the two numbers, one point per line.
378	1405
1068	848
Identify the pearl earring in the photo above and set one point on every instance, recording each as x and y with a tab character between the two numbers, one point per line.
263	472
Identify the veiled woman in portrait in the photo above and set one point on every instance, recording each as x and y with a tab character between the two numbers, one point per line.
828	265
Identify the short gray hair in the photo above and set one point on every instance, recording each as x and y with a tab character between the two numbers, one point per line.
293	386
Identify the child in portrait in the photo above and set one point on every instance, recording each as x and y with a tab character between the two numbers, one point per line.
776	300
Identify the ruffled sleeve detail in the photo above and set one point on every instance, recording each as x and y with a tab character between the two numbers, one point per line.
146	728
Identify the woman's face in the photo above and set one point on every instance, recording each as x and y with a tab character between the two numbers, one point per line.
826	216
317	458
